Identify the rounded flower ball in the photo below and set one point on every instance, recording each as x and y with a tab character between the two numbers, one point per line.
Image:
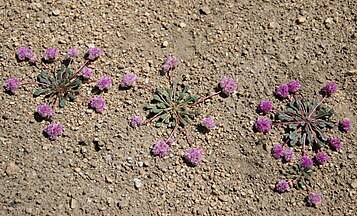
227	85
194	156
208	123
161	149
313	199
282	186
128	80
263	125
54	130
329	89
277	151
12	85
104	83
94	53
282	91
98	103
265	106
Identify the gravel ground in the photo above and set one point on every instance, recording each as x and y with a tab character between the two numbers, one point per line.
102	166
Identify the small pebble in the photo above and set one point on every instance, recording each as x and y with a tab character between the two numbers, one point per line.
56	12
137	183
165	44
301	19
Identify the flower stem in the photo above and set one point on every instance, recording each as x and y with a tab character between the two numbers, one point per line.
188	136
323	99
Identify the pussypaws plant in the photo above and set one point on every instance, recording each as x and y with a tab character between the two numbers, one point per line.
60	82
306	123
176	107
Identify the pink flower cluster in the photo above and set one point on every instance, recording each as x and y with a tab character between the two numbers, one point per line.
345	125
128	80
329	89
104	83
54	130
263	125
279	152
282	186
227	85
12	85
73	52
321	158
25	53
313	199
335	143
208	123
136	121
45	110
87	73
171	63
284	90
50	54
98	103
265	106
306	162
194	156
161	149
94	53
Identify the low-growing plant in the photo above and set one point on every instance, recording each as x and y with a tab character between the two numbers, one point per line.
60	82
306	123
176	107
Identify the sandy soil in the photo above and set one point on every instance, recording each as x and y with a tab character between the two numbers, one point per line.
91	169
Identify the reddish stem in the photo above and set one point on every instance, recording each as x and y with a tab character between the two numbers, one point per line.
324	98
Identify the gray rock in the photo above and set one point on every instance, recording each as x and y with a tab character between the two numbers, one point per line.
137	183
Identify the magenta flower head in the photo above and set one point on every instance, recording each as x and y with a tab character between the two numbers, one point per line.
282	186
194	156
171	63
161	149
45	110
12	85
136	121
321	158
282	91
227	85
73	52
98	103
306	162
329	89
24	53
104	83
87	73
313	199
54	130
94	53
208	123
263	125
345	125
335	143
277	151
128	80
265	106
50	54
289	155
294	86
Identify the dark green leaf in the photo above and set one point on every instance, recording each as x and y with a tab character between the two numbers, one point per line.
72	97
62	102
41	91
43	77
183	93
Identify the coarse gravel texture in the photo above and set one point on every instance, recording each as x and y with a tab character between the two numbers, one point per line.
102	166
